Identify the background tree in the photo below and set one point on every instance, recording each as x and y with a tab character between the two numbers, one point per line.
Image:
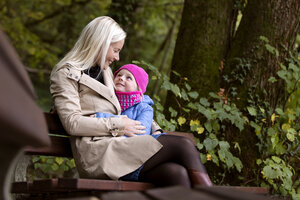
204	37
252	87
249	65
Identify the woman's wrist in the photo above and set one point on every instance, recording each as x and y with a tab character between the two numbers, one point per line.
116	126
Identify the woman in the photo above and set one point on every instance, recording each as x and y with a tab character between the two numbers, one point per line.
81	85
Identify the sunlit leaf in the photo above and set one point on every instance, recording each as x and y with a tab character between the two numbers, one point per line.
194	122
200	130
252	111
59	160
181	120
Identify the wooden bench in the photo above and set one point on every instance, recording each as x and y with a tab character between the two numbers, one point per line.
60	147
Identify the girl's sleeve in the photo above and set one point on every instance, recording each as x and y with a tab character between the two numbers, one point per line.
105	115
64	90
145	117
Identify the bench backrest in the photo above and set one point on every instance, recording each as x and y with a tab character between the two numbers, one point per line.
60	144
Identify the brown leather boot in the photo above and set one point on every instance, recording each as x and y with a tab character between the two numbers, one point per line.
199	178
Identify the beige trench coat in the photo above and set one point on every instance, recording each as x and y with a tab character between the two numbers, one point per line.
97	153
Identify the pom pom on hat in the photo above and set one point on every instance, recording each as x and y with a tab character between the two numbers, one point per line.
140	75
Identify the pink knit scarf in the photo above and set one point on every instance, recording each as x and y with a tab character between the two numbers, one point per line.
128	99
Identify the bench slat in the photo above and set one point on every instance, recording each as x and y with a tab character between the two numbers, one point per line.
54	124
20	187
132	195
96	184
178	193
60	146
256	190
78	184
233	193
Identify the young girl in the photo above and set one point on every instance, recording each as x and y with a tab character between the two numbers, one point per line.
131	83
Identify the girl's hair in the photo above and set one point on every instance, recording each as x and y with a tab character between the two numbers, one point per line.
93	44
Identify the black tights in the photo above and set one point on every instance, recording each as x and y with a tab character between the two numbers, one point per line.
169	165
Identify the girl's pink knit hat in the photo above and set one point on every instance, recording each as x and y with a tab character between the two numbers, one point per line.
140	75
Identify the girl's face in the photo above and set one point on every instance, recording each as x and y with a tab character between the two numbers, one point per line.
113	53
125	81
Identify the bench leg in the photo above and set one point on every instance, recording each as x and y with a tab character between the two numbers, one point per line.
9	155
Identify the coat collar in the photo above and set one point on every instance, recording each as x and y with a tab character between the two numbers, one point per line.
107	90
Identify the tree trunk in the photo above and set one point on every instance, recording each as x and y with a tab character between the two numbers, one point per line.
203	38
277	20
167	48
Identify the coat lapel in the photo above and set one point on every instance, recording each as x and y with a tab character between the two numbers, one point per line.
107	91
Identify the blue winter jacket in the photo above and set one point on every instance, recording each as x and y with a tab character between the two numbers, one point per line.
141	111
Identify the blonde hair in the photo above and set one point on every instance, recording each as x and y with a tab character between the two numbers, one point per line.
93	44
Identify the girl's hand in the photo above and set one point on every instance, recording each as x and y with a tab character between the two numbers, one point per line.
156	133
132	127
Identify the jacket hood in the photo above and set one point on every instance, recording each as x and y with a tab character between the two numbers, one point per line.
148	100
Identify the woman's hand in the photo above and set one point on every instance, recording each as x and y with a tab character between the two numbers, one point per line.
132	127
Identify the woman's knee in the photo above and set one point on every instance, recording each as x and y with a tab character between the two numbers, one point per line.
187	142
174	169
167	174
177	141
186	146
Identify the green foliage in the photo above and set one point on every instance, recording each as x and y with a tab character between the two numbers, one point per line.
42	31
278	131
51	167
278	174
279	148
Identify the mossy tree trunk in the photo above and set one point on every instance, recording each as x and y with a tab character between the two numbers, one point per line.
205	39
202	41
277	20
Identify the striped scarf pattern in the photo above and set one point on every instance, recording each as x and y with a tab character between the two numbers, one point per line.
128	99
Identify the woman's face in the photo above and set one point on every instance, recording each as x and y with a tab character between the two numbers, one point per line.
113	53
125	81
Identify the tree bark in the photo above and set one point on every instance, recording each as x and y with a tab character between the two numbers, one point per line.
166	48
203	38
278	20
